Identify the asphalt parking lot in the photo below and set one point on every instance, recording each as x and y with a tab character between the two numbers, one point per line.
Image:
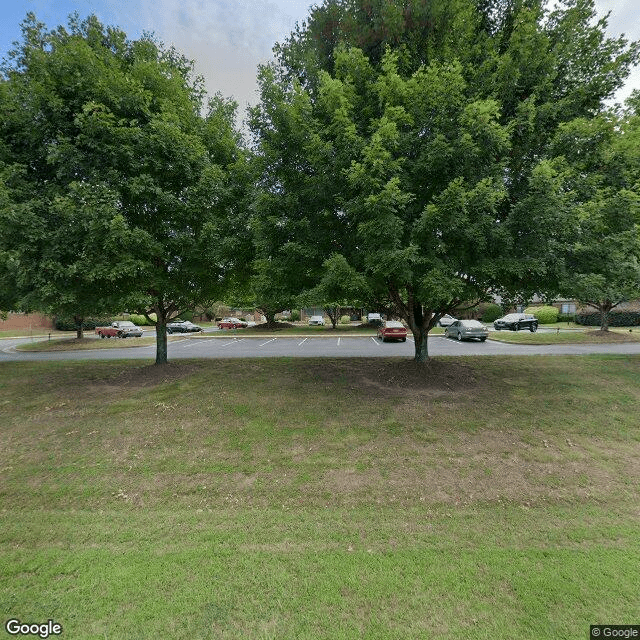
237	346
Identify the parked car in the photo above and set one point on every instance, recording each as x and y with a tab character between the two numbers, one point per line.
232	323
316	321
374	319
516	321
467	329
120	329
392	330
446	320
183	326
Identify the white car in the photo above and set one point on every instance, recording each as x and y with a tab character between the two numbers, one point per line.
374	319
316	320
446	320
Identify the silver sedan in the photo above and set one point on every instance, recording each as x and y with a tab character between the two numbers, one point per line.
467	329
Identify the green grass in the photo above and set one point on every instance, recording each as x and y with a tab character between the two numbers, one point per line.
36	331
566	337
312	499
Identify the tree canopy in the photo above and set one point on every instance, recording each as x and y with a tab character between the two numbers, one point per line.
598	177
420	135
121	187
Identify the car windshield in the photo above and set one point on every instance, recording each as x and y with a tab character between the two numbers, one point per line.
511	316
392	324
127	324
472	324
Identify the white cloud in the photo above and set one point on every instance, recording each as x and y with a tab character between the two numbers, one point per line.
624	19
226	38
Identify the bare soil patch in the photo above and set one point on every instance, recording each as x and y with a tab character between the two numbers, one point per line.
399	376
146	376
276	326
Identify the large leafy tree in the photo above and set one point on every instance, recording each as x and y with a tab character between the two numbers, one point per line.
425	135
598	169
125	189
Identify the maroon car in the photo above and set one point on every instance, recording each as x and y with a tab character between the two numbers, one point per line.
232	323
392	330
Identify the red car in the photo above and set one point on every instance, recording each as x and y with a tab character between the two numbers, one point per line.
231	323
392	330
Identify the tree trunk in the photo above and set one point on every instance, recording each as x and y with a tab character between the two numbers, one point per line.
79	330
604	316
161	336
270	317
333	313
420	335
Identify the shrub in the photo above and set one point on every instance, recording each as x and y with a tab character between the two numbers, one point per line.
345	320
491	312
566	317
295	315
625	317
545	314
141	321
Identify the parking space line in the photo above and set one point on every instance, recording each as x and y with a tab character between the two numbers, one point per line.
267	342
299	343
375	341
226	344
338	342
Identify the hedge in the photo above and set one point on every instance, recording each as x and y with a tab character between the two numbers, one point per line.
545	314
345	319
617	317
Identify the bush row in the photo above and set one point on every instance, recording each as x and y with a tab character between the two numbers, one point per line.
617	317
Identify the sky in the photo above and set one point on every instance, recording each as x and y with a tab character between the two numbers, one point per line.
228	39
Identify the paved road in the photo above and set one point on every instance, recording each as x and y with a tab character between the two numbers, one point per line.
230	346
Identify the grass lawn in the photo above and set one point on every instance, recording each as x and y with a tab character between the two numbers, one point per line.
37	331
585	336
73	344
487	497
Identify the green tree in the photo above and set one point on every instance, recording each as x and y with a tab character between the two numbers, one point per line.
127	122
599	167
425	130
340	286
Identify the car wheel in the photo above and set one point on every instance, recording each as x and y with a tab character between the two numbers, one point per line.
459	337
404	339
517	327
102	335
533	328
482	339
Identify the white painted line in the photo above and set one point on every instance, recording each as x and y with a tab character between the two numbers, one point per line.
299	343
267	342
226	344
375	341
338	342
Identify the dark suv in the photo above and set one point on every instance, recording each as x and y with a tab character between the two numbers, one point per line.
517	321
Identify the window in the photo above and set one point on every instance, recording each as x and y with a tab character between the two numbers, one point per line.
568	307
